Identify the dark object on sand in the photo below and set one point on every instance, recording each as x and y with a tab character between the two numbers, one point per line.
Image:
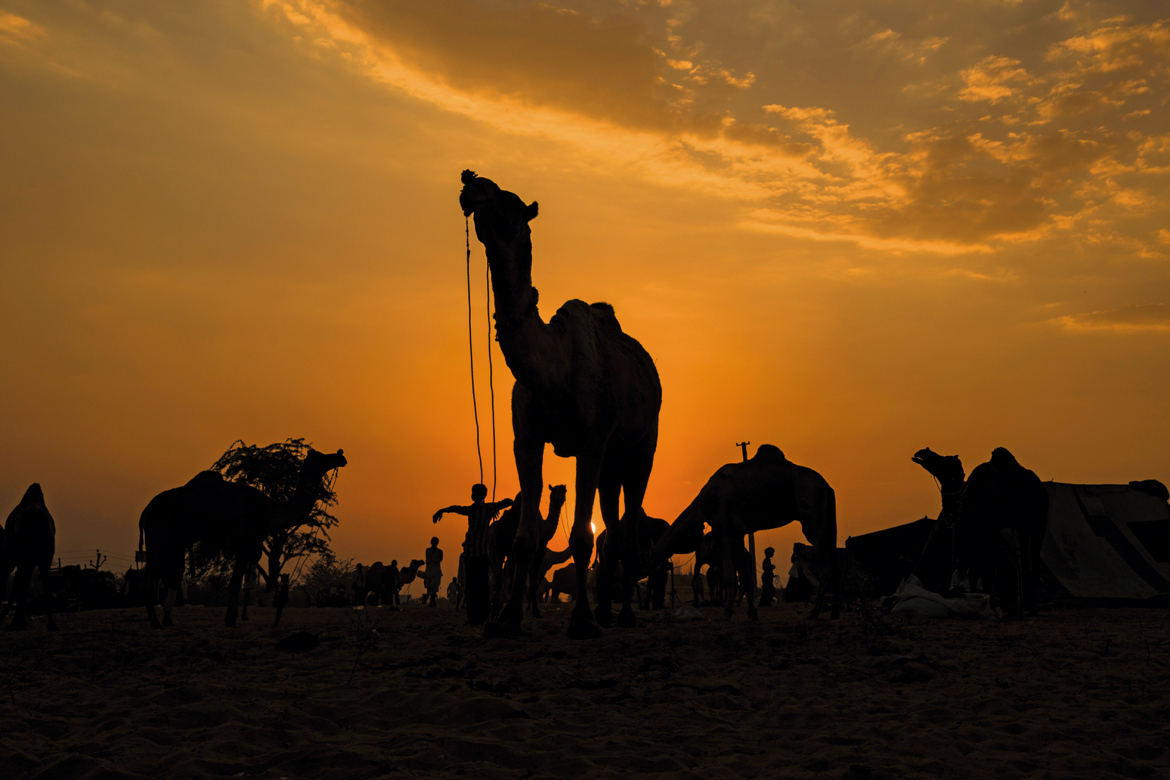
298	642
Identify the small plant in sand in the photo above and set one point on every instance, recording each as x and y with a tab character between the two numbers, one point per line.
365	623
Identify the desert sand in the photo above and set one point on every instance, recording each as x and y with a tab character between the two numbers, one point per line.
417	693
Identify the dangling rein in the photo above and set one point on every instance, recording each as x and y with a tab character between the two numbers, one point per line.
471	351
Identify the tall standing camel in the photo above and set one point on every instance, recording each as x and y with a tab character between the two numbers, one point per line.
29	543
1000	495
767	491
234	517
582	385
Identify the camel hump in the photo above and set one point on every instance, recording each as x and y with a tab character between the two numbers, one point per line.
1002	458
205	478
770	451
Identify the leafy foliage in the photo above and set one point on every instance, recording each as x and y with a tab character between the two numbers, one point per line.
275	471
325	571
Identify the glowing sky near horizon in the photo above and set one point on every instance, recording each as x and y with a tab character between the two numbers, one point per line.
848	229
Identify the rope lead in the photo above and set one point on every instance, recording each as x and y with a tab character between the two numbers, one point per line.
471	347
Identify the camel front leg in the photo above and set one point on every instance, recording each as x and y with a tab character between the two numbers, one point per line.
44	568
583	623
234	594
529	454
727	558
746	566
20	592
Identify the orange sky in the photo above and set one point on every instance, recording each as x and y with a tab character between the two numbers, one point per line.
849	229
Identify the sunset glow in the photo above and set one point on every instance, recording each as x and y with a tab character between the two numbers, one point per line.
852	230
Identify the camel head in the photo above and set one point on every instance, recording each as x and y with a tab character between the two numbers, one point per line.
556	497
501	224
318	464
947	468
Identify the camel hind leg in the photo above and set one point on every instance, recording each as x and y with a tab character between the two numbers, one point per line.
610	555
823	527
44	567
583	623
636	465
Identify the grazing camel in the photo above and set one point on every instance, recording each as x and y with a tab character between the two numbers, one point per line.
565	581
234	517
582	385
767	491
999	495
29	543
650	530
547	564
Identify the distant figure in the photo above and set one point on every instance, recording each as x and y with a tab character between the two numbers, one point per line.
359	585
477	588
453	592
802	583
434	573
391	585
768	580
374	576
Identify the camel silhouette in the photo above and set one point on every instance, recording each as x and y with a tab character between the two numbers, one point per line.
999	495
650	530
767	491
543	584
29	543
230	516
582	385
501	543
408	574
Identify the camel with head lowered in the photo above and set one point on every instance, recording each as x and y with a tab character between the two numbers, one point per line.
230	516
1000	495
767	491
29	543
582	385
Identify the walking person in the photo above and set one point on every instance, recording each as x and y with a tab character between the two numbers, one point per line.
433	576
479	514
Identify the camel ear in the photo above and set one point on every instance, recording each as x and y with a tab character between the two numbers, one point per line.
531	211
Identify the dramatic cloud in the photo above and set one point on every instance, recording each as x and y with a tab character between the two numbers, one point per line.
1130	319
1013	157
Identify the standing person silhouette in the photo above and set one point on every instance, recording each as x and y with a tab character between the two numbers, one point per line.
768	591
434	573
477	589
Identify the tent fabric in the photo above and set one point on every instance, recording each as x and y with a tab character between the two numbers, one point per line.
1104	542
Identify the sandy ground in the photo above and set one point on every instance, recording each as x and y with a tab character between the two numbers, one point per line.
1079	693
